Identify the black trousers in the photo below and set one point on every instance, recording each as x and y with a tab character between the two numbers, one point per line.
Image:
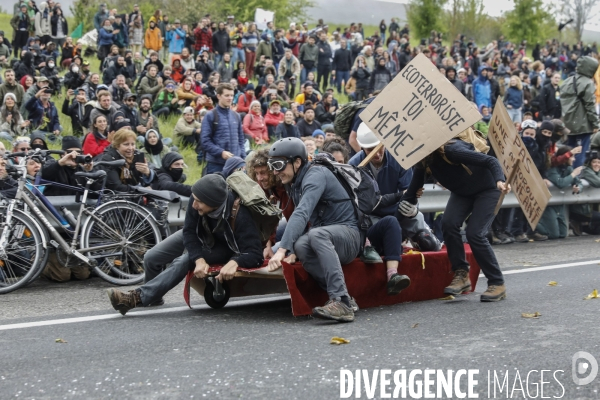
323	74
481	208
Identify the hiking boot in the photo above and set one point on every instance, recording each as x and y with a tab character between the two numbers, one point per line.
522	238
538	237
159	302
495	240
353	305
397	283
335	310
370	256
494	293
124	301
504	238
460	283
576	227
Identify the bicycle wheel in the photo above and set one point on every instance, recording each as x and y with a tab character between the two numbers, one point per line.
129	231
23	257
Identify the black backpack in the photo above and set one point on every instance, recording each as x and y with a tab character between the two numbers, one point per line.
361	186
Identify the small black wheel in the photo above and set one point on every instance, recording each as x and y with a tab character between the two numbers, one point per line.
209	295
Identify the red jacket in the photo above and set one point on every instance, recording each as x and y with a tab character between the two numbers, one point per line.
93	146
203	39
178	74
243	104
273	119
254	125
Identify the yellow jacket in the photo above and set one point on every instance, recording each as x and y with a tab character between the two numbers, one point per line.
153	39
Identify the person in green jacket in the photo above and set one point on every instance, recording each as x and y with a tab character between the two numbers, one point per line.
583	217
578	103
562	175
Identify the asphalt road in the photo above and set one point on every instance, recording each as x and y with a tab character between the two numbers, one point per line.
255	348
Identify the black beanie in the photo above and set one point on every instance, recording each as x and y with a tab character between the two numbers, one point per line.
170	158
547	125
70	142
211	190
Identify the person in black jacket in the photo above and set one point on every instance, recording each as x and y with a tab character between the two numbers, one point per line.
58	21
451	75
342	63
8	186
221	43
325	110
119	68
74	78
324	61
169	176
211	235
76	110
474	193
549	99
26	66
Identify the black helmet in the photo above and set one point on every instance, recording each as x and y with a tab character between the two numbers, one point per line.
424	240
290	148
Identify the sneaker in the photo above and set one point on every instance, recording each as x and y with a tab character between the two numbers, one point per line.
397	283
353	305
576	227
494	293
504	238
335	310
370	256
522	238
538	237
495	240
460	283
124	301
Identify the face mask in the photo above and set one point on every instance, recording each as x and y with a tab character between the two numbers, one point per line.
75	70
528	141
555	137
38	146
176	174
51	65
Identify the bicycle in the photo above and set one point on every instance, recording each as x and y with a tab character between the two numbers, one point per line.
111	237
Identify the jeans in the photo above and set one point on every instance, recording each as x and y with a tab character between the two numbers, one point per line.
339	77
304	74
6	136
156	281
322	252
582	140
218	58
211	168
385	236
237	55
514	114
481	207
323	75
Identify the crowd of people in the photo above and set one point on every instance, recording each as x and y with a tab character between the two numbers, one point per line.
265	102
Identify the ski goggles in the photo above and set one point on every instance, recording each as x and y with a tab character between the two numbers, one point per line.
277	164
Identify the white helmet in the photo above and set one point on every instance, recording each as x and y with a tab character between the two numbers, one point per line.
365	137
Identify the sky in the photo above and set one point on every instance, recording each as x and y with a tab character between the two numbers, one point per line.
495	8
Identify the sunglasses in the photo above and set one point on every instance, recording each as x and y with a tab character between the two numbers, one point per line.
277	165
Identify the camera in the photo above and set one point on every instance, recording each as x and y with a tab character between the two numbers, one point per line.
83	159
590	155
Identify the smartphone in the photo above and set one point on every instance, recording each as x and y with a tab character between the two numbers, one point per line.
48	90
139	158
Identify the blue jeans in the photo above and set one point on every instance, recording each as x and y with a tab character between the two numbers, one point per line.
339	77
304	74
212	167
218	58
237	55
6	136
582	140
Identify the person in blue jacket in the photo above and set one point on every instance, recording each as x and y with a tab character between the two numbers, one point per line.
221	135
44	115
106	38
482	89
176	37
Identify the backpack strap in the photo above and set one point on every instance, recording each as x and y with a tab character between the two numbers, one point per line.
579	96
215	121
234	211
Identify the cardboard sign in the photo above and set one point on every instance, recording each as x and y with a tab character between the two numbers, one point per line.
527	183
417	112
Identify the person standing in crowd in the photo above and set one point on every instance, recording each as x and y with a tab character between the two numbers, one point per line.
361	75
250	43
176	38
578	105
474	194
21	25
43	28
513	99
221	134
100	16
342	63
59	28
153	39
323	61
482	89
221	44
333	238
308	57
550	104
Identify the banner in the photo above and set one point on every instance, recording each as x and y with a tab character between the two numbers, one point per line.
418	112
527	183
261	17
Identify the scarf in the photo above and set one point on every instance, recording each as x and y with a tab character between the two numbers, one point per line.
216	214
126	169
